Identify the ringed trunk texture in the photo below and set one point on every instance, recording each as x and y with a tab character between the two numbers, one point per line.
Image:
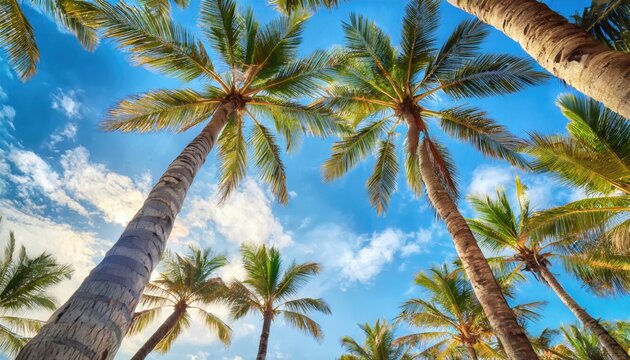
161	332
613	348
93	322
496	308
264	337
564	49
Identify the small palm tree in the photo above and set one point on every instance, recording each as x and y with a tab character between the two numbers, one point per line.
17	38
378	344
455	322
594	157
579	344
24	283
186	283
269	292
523	247
256	94
288	6
608	21
384	88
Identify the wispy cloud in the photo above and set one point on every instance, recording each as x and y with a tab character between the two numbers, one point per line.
67	103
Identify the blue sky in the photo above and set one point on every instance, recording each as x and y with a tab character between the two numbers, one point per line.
68	188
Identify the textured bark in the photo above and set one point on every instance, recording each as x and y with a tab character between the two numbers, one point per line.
496	308
161	332
93	322
264	337
613	348
562	48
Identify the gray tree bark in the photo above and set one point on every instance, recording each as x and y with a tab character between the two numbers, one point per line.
93	322
564	49
487	290
612	347
264	336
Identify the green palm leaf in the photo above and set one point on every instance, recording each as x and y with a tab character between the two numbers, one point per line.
266	154
18	40
382	183
233	154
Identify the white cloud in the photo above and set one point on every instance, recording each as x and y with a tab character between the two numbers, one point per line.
7	114
117	197
360	258
38	176
486	179
245	217
68	132
3	94
67	103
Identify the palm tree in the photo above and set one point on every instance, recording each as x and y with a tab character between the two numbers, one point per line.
24	285
17	38
288	6
455	322
378	344
186	283
523	247
607	21
579	344
263	75
594	157
564	49
269	292
387	87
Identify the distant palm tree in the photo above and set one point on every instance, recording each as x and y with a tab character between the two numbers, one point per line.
579	344
388	89
608	21
270	292
522	247
24	285
595	157
17	38
186	283
263	77
378	344
455	323
288	6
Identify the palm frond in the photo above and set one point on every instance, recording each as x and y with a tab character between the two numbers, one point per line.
233	155
217	326
294	277
266	154
219	21
307	305
382	182
167	341
303	323
142	319
18	40
608	22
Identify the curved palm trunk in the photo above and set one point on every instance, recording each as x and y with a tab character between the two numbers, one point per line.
472	352
612	347
562	48
264	337
93	322
496	308
161	332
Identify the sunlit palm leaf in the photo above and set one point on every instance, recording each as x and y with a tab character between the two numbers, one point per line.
233	154
382	182
266	154
609	22
18	40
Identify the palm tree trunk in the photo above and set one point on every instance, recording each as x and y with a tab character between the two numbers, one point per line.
93	322
264	336
610	344
496	308
472	352
161	332
562	48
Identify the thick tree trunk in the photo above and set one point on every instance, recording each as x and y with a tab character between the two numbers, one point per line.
161	332
93	322
562	48
264	337
612	347
496	308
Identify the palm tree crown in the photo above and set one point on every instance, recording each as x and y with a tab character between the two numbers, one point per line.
269	291
378	344
17	38
263	77
455	323
24	283
187	283
384	87
595	156
609	22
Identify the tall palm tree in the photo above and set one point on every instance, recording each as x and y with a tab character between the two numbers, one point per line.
186	283
455	323
24	285
270	292
17	38
263	75
563	48
387	88
522	247
595	157
608	21
378	344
